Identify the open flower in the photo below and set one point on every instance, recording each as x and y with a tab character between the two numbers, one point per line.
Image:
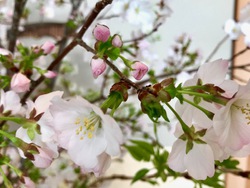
85	132
232	121
47	147
199	161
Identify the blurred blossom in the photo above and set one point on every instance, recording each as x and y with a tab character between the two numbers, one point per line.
48	47
232	28
139	13
245	28
50	74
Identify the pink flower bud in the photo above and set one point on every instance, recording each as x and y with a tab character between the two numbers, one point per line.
47	47
50	74
101	33
98	66
139	70
20	83
117	41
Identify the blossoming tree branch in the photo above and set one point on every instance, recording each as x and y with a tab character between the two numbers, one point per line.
52	132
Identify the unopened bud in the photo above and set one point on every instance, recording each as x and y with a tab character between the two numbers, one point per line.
101	33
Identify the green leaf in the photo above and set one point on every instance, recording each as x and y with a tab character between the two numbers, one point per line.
139	175
113	53
71	24
229	163
138	153
145	145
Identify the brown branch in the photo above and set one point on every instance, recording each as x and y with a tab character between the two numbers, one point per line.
145	35
238	53
18	11
92	16
111	65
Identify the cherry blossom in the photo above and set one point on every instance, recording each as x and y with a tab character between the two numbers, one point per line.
139	70
117	41
232	28
10	101
98	66
101	33
231	122
47	148
199	161
47	47
20	83
85	132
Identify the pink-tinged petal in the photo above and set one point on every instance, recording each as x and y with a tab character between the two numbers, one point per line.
44	158
20	83
43	102
98	66
101	33
176	156
213	72
200	161
231	122
139	70
230	87
104	161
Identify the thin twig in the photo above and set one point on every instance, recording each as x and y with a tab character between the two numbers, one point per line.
145	35
92	16
111	65
217	47
238	53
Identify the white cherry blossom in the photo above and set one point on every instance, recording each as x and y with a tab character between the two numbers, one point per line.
85	132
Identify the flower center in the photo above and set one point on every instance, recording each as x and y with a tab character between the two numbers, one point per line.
245	110
87	125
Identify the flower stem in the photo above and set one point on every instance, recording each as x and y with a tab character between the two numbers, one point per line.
209	114
184	126
7	183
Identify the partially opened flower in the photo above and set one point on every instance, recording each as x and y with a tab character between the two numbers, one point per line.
139	70
20	83
101	32
98	66
85	132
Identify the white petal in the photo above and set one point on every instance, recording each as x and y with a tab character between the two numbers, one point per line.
200	161
176	156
